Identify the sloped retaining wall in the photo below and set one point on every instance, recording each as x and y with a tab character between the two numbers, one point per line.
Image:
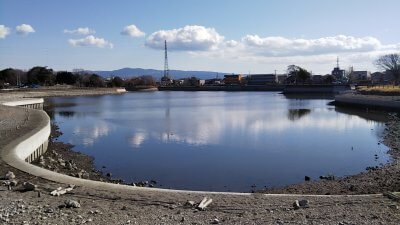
315	88
27	103
33	144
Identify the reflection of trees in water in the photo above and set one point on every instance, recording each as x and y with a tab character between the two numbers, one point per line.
299	100
50	106
49	112
369	115
310	96
66	113
295	114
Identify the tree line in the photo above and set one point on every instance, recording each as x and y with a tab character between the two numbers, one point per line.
389	63
45	76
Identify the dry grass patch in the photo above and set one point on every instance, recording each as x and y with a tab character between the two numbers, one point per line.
380	90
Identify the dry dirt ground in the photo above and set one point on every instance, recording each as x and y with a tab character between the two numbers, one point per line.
98	206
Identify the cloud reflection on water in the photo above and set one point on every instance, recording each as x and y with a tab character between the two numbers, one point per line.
87	134
210	128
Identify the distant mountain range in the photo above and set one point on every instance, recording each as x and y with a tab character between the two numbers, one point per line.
131	72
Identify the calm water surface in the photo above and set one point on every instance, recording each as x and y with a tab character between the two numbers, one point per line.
219	141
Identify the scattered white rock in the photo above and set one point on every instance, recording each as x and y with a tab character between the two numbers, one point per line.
204	203
300	204
72	204
215	221
60	191
190	203
10	175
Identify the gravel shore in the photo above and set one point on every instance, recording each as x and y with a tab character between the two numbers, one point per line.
372	181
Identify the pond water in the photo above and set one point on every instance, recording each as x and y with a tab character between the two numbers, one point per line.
219	141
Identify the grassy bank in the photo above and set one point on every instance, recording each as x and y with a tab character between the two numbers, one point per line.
387	90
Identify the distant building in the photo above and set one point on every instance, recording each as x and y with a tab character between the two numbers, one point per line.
166	81
262	79
178	82
338	73
317	79
281	78
215	81
360	77
382	78
233	79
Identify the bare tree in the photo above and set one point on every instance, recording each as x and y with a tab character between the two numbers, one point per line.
390	62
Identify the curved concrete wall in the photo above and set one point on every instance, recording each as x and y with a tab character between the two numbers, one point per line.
32	103
31	145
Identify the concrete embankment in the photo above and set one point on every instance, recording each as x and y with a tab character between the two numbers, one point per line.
287	89
295	89
370	101
56	92
225	88
27	134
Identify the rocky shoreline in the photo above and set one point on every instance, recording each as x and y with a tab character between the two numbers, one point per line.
61	158
374	180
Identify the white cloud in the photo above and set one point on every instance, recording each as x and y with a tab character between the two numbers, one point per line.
132	31
280	46
272	51
188	38
318	55
25	29
91	41
4	31
80	30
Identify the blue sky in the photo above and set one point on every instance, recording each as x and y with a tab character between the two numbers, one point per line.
256	36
